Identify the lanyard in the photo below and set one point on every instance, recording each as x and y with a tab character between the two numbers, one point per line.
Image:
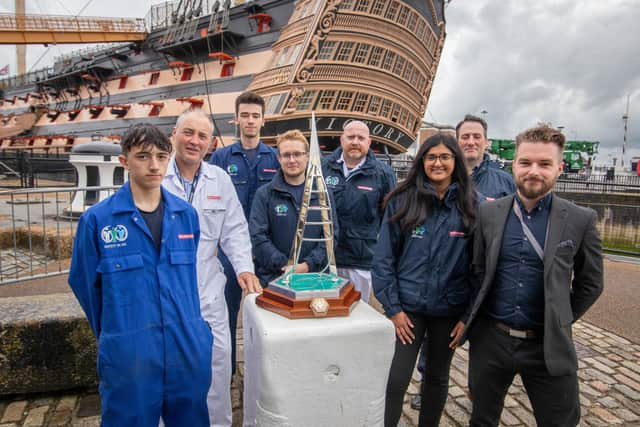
185	182
527	231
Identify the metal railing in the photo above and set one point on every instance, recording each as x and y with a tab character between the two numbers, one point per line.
583	183
37	227
62	23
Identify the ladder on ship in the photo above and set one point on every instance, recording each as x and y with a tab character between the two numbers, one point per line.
55	29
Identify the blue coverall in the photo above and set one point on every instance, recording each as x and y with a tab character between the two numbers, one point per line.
247	177
154	348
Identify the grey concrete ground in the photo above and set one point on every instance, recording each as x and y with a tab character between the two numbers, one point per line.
607	342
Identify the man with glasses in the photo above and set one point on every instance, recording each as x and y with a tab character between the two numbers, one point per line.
275	211
359	183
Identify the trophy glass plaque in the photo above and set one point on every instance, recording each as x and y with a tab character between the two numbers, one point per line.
320	294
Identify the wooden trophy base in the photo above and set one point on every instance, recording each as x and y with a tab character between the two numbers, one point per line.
293	308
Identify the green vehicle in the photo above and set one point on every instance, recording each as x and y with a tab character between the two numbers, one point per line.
578	155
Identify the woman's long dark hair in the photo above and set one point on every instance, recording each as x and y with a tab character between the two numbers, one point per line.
415	202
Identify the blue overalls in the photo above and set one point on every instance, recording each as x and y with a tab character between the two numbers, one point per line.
247	178
154	348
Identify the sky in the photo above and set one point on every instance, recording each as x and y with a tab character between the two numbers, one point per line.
571	63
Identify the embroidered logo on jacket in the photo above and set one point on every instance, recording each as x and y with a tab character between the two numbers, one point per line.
365	188
418	232
456	234
116	234
281	210
232	169
185	236
269	170
332	181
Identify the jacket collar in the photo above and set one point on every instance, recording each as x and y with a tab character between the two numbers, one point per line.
205	170
262	148
337	154
123	200
449	196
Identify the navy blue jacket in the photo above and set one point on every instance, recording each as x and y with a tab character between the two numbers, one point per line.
247	178
427	269
358	201
492	181
272	225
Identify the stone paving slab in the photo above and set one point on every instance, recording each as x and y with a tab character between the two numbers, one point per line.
609	374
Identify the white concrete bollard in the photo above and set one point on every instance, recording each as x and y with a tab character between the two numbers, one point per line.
315	372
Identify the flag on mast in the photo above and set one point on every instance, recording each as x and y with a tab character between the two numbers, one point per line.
4	71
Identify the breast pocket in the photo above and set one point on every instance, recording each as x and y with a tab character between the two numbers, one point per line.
212	219
121	279
265	175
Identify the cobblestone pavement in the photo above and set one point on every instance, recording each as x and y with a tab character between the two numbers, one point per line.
609	375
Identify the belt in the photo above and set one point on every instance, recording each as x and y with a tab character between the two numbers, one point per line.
517	333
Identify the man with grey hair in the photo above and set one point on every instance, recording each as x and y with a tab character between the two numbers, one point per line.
222	222
359	183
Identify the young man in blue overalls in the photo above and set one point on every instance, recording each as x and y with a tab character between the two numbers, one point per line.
133	271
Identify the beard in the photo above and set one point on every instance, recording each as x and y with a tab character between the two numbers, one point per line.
533	188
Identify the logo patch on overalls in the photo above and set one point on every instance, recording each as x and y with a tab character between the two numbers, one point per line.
214	197
185	236
332	181
456	234
365	188
116	234
232	169
269	170
418	232
281	210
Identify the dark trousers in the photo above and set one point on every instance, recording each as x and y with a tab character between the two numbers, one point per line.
435	382
233	296
495	358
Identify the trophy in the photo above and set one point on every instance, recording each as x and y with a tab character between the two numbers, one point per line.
321	294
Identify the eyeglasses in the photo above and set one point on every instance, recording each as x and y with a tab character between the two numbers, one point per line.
432	158
296	155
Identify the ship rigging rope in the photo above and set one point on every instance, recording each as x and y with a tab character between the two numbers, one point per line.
216	130
49	47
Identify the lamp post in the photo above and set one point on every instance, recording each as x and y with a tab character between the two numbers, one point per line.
484	113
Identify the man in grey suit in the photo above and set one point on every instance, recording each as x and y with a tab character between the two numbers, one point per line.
538	268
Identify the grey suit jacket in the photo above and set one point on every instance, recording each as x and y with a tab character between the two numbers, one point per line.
573	278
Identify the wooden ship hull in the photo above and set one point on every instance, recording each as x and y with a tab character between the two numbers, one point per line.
370	60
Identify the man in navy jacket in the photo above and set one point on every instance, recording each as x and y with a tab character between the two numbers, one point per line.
275	211
490	180
359	183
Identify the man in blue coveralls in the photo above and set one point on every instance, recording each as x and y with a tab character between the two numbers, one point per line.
250	163
133	270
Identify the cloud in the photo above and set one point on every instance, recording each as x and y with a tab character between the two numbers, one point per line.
571	63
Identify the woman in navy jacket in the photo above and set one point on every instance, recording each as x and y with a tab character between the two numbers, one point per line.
421	271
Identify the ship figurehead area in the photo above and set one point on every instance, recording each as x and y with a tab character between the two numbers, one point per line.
373	61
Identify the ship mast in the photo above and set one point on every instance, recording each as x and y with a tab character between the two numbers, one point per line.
625	120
